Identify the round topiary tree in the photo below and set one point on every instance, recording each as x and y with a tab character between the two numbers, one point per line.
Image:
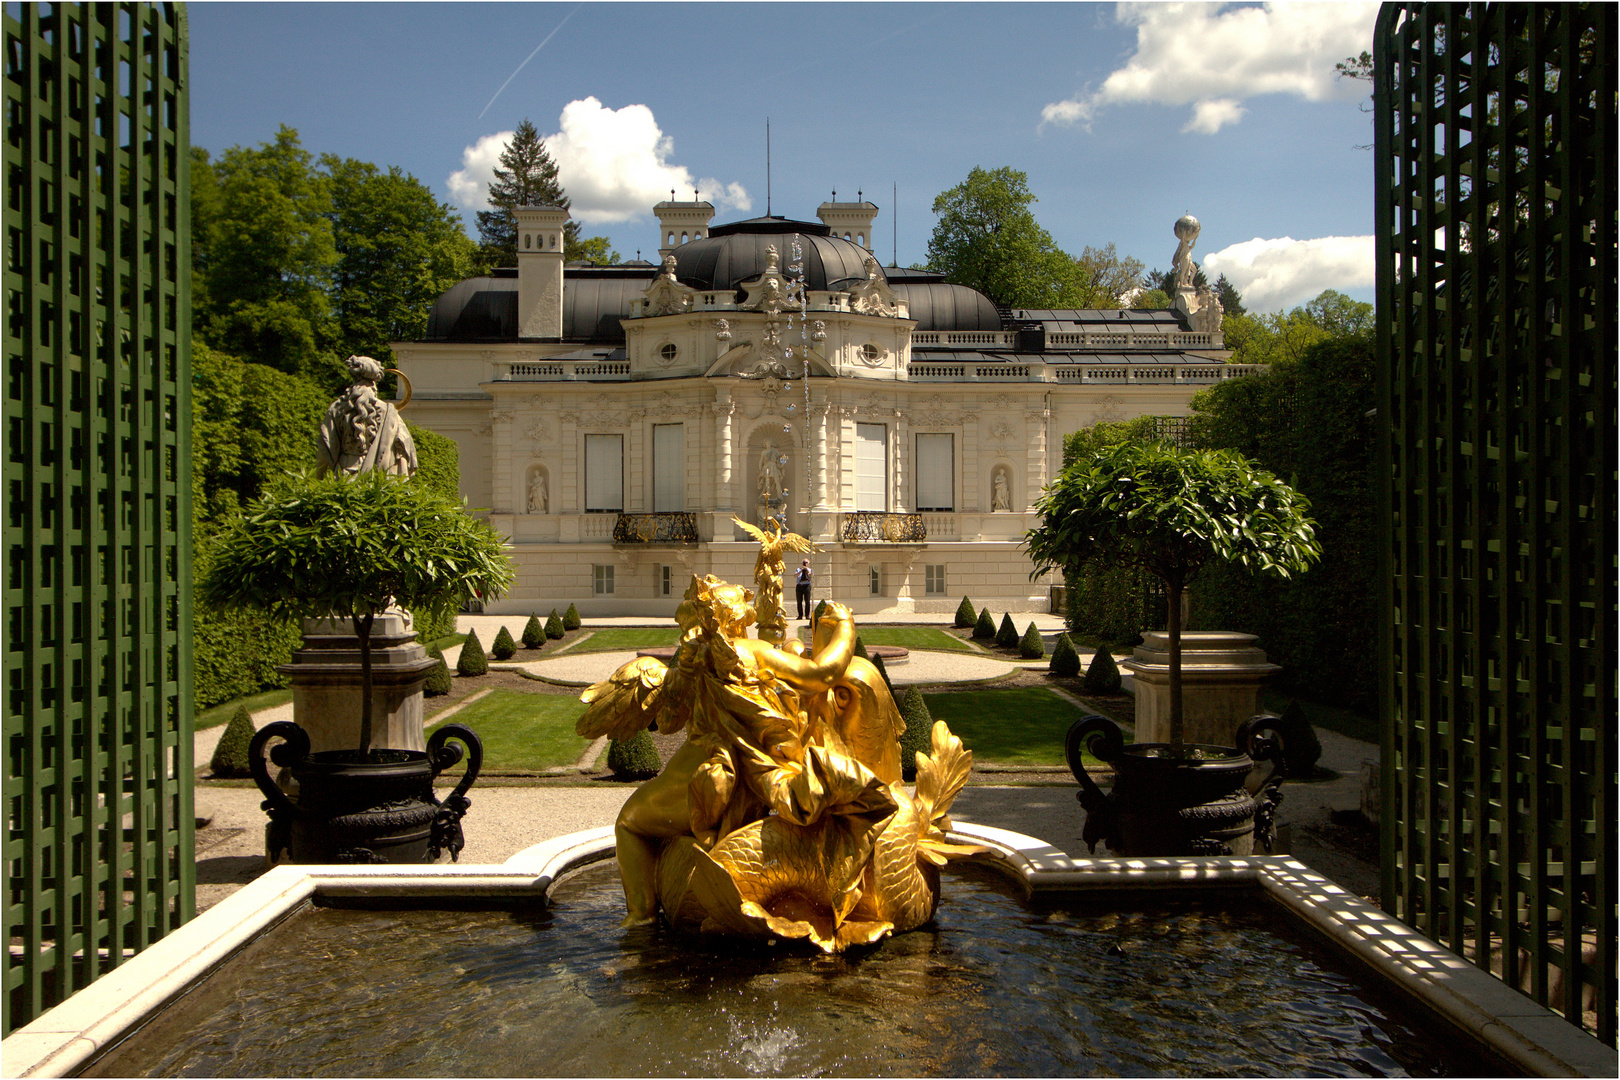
231	753
918	736
554	625
984	628
571	618
1168	511
534	635
504	646
1030	646
437	683
964	614
1065	661
635	758
472	661
1007	636
1102	674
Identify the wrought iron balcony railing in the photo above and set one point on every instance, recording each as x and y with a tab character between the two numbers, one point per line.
672	527
877	526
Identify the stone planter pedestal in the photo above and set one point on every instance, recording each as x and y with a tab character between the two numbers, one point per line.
1221	676
325	677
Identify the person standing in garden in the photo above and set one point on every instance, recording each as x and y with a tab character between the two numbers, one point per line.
801	588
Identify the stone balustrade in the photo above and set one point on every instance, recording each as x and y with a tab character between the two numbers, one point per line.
815	300
1140	374
1075	339
563	371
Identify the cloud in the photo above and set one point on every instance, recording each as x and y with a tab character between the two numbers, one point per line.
1274	275
614	164
1213	57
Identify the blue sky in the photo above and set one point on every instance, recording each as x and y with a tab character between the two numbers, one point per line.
1123	116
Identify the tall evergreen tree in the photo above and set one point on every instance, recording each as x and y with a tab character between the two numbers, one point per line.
527	177
1231	299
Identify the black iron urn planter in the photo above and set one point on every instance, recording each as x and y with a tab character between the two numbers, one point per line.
376	811
1163	805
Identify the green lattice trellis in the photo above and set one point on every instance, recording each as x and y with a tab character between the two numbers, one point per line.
98	599
1495	194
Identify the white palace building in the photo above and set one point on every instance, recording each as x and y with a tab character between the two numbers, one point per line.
614	420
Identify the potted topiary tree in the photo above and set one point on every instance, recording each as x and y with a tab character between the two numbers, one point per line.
350	547
1169	511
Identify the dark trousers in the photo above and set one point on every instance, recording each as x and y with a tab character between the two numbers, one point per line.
802	592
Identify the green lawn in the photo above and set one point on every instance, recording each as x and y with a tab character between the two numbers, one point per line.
525	733
906	637
1021	726
221	714
626	638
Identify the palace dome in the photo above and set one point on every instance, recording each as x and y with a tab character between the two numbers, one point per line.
734	253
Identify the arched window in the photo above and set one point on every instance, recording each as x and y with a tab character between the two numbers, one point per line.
671	240
860	238
683	238
528	241
553	241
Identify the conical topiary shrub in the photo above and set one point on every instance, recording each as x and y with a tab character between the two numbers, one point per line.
1301	747
1065	661
1102	677
472	660
534	635
877	662
1030	646
636	758
231	754
1007	636
554	625
821	608
504	646
964	614
860	650
438	679
571	618
918	736
985	627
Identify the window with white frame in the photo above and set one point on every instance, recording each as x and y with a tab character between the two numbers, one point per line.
666	580
936	472
602	579
871	466
669	487
934	580
604	474
875	580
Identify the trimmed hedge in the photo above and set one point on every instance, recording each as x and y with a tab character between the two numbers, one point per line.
964	614
554	625
636	758
918	736
534	635
504	646
472	660
1065	661
1007	636
1102	676
571	618
231	753
984	627
1030	646
438	679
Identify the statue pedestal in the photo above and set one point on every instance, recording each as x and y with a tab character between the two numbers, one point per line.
1221	676
325	677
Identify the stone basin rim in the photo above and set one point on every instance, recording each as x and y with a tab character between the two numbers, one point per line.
891	654
1496	1020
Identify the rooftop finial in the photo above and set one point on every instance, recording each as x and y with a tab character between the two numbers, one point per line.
860	196
835	195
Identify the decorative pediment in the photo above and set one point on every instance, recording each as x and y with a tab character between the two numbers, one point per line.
873	296
771	292
666	296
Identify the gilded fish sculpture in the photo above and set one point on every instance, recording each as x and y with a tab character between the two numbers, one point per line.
783	814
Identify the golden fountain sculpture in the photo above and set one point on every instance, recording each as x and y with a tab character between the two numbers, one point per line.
783	814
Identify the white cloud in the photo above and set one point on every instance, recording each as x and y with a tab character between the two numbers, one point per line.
614	164
1213	56
1275	275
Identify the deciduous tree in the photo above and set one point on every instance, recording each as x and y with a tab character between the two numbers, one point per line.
987	238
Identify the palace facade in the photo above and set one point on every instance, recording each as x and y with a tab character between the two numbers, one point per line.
615	420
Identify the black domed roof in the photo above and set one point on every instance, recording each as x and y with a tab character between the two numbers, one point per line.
734	253
939	305
486	308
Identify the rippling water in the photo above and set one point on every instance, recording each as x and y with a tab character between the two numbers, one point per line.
1219	987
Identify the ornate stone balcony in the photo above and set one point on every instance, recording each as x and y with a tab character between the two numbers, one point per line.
1153	374
672	527
563	371
880	527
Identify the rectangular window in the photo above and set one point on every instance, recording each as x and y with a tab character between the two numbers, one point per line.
602	580
871	467
875	579
934	580
604	474
669	488
936	472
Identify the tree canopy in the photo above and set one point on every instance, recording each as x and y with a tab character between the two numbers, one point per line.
526	177
1284	336
987	239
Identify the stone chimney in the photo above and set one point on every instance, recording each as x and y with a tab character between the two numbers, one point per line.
540	270
681	223
849	220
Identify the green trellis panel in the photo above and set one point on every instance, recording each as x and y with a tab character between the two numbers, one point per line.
99	858
1495	188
